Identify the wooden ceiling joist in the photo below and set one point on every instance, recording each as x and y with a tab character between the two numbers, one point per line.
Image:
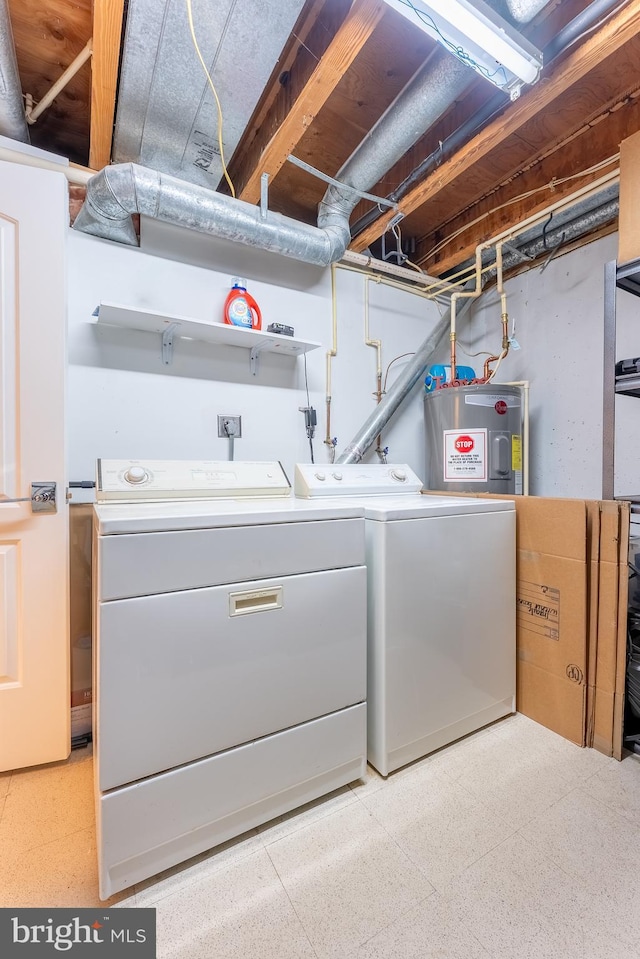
536	106
107	32
593	144
358	26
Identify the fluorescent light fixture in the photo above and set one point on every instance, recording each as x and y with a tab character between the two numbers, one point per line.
475	34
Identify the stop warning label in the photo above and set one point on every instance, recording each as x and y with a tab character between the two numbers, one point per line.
465	456
464	444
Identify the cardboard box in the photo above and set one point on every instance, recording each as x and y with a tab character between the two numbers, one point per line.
621	652
608	640
552	614
571	616
628	223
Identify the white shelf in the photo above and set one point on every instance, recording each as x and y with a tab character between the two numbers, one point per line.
169	326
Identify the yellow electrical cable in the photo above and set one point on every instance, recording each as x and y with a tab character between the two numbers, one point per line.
213	90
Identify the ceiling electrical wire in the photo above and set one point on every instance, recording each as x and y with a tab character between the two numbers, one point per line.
497	366
459	52
556	181
213	90
390	364
472	355
309	407
403	259
306	378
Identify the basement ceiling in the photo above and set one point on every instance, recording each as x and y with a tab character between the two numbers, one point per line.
311	78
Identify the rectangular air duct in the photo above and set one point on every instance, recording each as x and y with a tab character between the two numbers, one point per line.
167	117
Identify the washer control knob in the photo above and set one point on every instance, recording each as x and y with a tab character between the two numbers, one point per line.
135	475
399	475
321	477
337	476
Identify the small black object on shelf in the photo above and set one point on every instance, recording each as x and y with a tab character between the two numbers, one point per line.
625	367
280	328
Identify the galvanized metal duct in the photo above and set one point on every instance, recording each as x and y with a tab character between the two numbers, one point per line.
413	371
584	218
523	11
121	190
590	18
125	189
117	192
166	116
430	92
334	201
12	119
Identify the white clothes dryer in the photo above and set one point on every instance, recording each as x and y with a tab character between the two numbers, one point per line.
230	656
441	631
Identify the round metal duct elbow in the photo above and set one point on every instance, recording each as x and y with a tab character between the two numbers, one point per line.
119	191
108	205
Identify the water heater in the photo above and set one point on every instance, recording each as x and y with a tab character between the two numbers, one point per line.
474	438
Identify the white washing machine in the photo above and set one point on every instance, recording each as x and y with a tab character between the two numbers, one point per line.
230	656
441	577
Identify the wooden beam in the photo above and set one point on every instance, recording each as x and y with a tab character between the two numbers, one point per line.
299	35
594	143
308	41
358	26
47	37
617	32
108	18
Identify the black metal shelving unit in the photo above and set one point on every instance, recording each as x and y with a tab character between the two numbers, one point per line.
616	277
625	277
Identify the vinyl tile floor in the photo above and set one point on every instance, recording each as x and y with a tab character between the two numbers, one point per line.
511	844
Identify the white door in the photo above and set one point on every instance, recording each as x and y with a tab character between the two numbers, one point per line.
34	644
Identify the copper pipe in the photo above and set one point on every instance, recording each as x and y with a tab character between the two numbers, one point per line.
473	294
487	371
504	316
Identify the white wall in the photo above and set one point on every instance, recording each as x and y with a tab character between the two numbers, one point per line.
124	403
559	325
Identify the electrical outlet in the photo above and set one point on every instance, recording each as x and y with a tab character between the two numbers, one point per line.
236	421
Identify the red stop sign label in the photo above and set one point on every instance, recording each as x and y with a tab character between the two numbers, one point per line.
501	407
464	444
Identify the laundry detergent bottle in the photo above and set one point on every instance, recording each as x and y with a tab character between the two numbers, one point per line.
240	308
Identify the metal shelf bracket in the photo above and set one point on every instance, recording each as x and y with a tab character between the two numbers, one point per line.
254	354
167	343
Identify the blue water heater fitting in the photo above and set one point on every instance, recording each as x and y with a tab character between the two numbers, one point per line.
441	373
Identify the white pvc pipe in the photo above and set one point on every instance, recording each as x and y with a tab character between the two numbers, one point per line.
78	175
371	264
33	113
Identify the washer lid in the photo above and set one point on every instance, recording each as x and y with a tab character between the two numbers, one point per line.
314	481
422	506
211	514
